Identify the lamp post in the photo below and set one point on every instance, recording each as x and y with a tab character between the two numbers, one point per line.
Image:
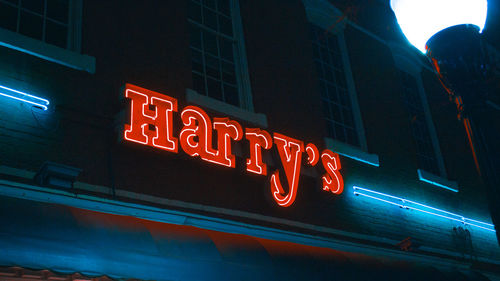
449	33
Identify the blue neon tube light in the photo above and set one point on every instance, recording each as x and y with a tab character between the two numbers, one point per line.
27	98
412	205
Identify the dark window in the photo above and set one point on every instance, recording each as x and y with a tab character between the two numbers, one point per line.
337	105
426	156
45	20
212	44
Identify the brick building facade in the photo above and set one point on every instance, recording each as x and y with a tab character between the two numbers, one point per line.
302	69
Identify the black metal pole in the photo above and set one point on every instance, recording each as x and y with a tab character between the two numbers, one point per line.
462	65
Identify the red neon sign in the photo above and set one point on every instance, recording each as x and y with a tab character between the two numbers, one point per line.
151	123
258	139
290	151
150	109
196	136
332	180
312	154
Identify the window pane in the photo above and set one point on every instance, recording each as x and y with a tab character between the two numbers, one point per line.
348	118
326	109
328	74
212	66
216	49
194	11
199	84
197	61
336	112
331	129
344	97
223	7
339	132
36	6
332	93
227	67
332	43
45	20
58	10
210	43
229	78
320	38
228	73
340	79
426	157
214	89
324	54
8	17
209	19
56	34
226	25
231	95
226	49
337	107
209	3
337	60
31	25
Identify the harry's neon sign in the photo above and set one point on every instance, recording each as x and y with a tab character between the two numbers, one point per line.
151	124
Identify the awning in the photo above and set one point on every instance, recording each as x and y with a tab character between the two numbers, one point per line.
67	240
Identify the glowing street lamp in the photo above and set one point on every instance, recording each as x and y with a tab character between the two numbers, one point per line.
449	33
421	19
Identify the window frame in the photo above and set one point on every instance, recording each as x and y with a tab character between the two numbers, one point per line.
408	61
422	98
240	65
69	56
322	14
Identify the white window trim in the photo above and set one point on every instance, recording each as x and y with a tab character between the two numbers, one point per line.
437	180
408	60
352	152
219	106
323	14
67	57
239	55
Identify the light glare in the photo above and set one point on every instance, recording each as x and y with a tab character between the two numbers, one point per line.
421	19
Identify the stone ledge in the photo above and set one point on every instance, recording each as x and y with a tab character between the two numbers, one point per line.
352	152
437	180
255	118
46	51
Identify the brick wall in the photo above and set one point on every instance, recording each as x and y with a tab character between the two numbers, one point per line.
147	45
